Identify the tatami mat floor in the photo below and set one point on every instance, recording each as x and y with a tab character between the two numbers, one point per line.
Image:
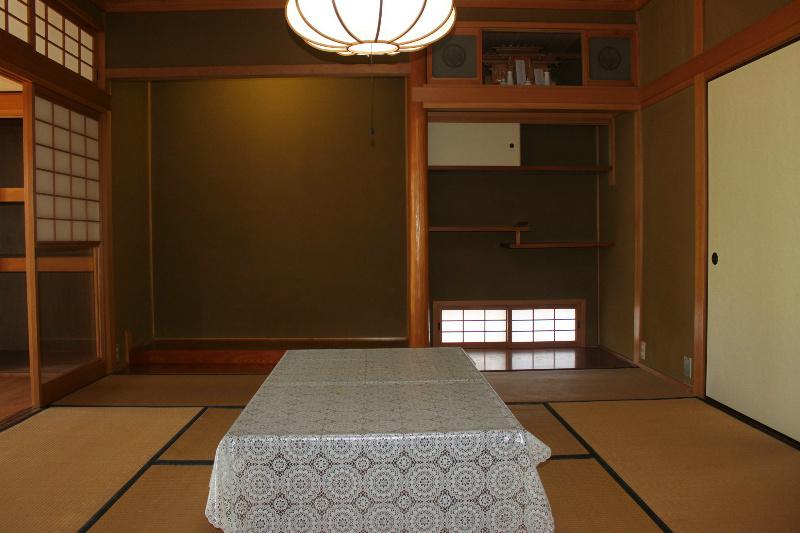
628	465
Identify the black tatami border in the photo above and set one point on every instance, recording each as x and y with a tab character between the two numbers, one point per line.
111	501
602	462
763	428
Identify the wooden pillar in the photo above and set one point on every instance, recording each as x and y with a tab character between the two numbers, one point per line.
417	208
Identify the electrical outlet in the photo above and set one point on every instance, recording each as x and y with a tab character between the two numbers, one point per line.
687	366
643	351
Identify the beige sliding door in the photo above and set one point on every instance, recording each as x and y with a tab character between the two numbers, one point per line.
754	230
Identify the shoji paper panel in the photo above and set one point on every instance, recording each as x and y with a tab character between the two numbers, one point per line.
67	174
14	18
63	41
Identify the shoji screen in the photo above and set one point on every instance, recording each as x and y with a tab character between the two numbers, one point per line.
67	174
14	18
754	221
62	41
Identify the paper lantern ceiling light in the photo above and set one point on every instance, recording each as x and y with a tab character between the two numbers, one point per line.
370	27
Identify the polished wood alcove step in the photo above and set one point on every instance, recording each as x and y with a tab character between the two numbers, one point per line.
554	245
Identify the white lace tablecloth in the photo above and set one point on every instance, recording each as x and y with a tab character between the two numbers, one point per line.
409	440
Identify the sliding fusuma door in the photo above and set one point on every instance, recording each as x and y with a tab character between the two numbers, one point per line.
754	225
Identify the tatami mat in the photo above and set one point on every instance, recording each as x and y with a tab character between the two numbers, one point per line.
696	467
542	424
166	390
166	499
200	441
62	465
582	385
585	499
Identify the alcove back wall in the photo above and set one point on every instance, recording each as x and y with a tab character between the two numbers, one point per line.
273	212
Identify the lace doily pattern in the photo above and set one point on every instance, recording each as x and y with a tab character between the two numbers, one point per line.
353	454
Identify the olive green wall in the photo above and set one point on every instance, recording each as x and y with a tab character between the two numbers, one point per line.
617	224
668	267
666	37
274	213
724	18
211	38
14	318
130	207
473	266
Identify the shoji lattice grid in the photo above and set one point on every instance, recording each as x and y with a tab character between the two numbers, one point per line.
63	41
67	174
14	18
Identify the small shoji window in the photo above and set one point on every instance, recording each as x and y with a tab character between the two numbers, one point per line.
543	325
67	174
509	324
63	41
473	325
14	18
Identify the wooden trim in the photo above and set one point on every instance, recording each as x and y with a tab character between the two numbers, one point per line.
545	169
12	195
494	98
105	264
500	25
778	28
12	264
638	236
283	343
556	245
30	243
147	355
580	317
417	210
121	6
61	386
76	15
699	27
522	117
700	234
150	248
661	375
260	71
66	264
21	59
612	156
11	105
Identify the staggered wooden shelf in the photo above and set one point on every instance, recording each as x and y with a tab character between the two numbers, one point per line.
532	169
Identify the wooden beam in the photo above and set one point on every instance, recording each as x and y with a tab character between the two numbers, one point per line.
12	264
260	71
778	28
417	209
493	98
20	59
522	117
700	233
10	105
65	264
119	6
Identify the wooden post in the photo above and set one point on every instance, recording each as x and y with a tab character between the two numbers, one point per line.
417	209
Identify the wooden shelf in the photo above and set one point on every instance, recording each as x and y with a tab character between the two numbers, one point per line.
521	226
554	245
537	169
11	194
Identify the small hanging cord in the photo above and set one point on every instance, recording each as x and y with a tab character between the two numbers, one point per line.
371	104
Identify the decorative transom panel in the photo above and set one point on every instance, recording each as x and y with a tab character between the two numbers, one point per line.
14	18
67	174
63	41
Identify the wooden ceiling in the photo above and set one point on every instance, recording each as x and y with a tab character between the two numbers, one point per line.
206	5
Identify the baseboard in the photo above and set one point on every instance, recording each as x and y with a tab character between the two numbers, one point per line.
774	433
659	374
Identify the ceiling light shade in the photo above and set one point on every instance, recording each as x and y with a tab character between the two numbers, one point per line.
370	27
